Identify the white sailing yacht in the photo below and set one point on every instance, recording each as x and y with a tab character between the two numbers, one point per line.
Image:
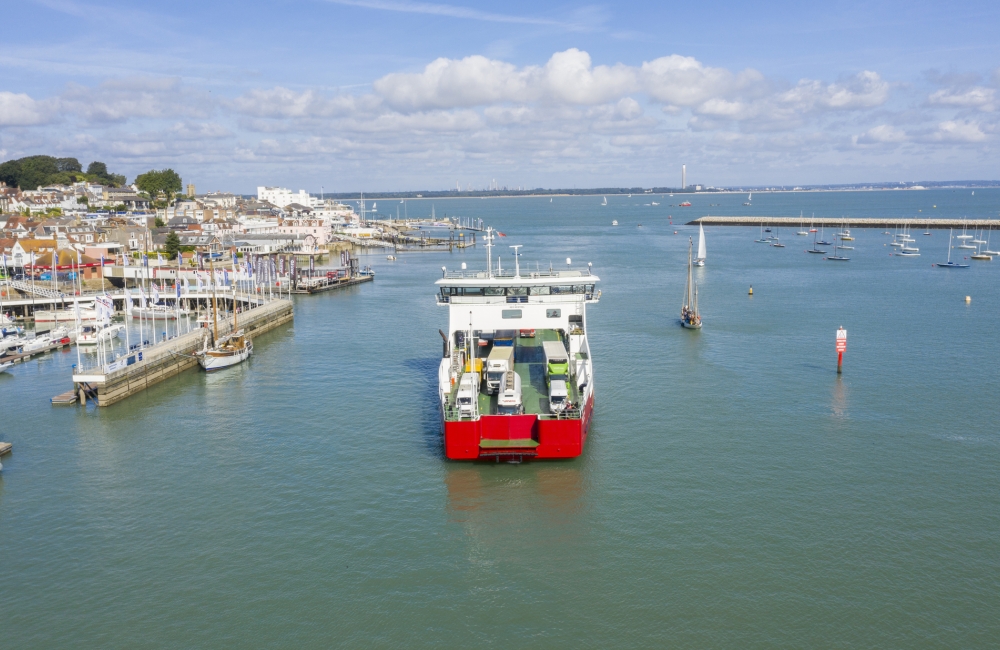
690	317
605	202
964	236
700	260
231	349
949	264
749	198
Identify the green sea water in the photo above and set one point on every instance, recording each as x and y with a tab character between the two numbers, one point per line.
734	492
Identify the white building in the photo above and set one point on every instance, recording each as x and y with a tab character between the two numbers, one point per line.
281	196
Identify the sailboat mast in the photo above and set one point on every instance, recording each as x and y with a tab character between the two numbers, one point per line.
687	297
215	304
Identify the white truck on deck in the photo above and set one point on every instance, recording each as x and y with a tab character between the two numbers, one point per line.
509	399
498	364
556	374
467	399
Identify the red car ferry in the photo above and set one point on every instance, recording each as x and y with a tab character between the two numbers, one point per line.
516	379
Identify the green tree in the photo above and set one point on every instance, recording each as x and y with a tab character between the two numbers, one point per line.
33	171
172	246
68	165
97	168
154	182
159	223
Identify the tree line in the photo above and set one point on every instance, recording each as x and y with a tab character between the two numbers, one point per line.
33	172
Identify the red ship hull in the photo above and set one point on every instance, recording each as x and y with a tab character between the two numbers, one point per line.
505	437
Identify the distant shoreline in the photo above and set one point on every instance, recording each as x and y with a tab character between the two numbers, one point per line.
426	195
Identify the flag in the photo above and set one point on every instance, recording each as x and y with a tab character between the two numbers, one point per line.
145	260
197	277
128	302
156	294
76	311
235	262
177	287
225	277
159	259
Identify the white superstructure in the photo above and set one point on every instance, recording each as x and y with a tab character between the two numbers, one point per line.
544	303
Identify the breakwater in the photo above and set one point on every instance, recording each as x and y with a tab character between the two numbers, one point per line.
848	222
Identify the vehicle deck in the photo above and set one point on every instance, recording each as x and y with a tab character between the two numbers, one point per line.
529	363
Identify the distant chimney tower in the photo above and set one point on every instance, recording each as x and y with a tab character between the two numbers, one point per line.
684	174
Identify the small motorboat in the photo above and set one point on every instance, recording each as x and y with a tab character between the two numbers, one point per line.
391	258
614	223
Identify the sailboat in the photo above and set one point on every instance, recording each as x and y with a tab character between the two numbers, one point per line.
690	318
749	198
835	257
700	260
980	254
814	249
965	235
822	242
774	240
801	229
988	237
605	202
762	240
231	349
949	264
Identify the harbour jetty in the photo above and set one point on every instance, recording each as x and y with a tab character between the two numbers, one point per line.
143	368
848	222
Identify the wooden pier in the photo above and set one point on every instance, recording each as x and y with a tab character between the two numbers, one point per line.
143	368
850	222
5	448
324	284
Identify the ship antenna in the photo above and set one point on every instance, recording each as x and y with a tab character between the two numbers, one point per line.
517	266
489	252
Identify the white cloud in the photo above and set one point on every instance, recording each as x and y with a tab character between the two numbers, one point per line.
976	97
683	81
866	90
21	110
881	134
280	102
568	77
120	100
958	131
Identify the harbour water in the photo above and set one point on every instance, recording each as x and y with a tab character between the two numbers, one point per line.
735	492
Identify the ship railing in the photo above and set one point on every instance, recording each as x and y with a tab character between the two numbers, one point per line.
510	273
565	414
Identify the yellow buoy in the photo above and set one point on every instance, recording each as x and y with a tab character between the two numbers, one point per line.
968	299
751	291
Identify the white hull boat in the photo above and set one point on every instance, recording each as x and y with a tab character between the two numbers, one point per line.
93	335
159	312
231	350
65	316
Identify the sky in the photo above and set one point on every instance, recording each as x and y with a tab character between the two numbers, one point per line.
384	95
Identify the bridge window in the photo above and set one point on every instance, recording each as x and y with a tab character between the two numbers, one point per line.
540	291
517	291
562	288
553	313
493	291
